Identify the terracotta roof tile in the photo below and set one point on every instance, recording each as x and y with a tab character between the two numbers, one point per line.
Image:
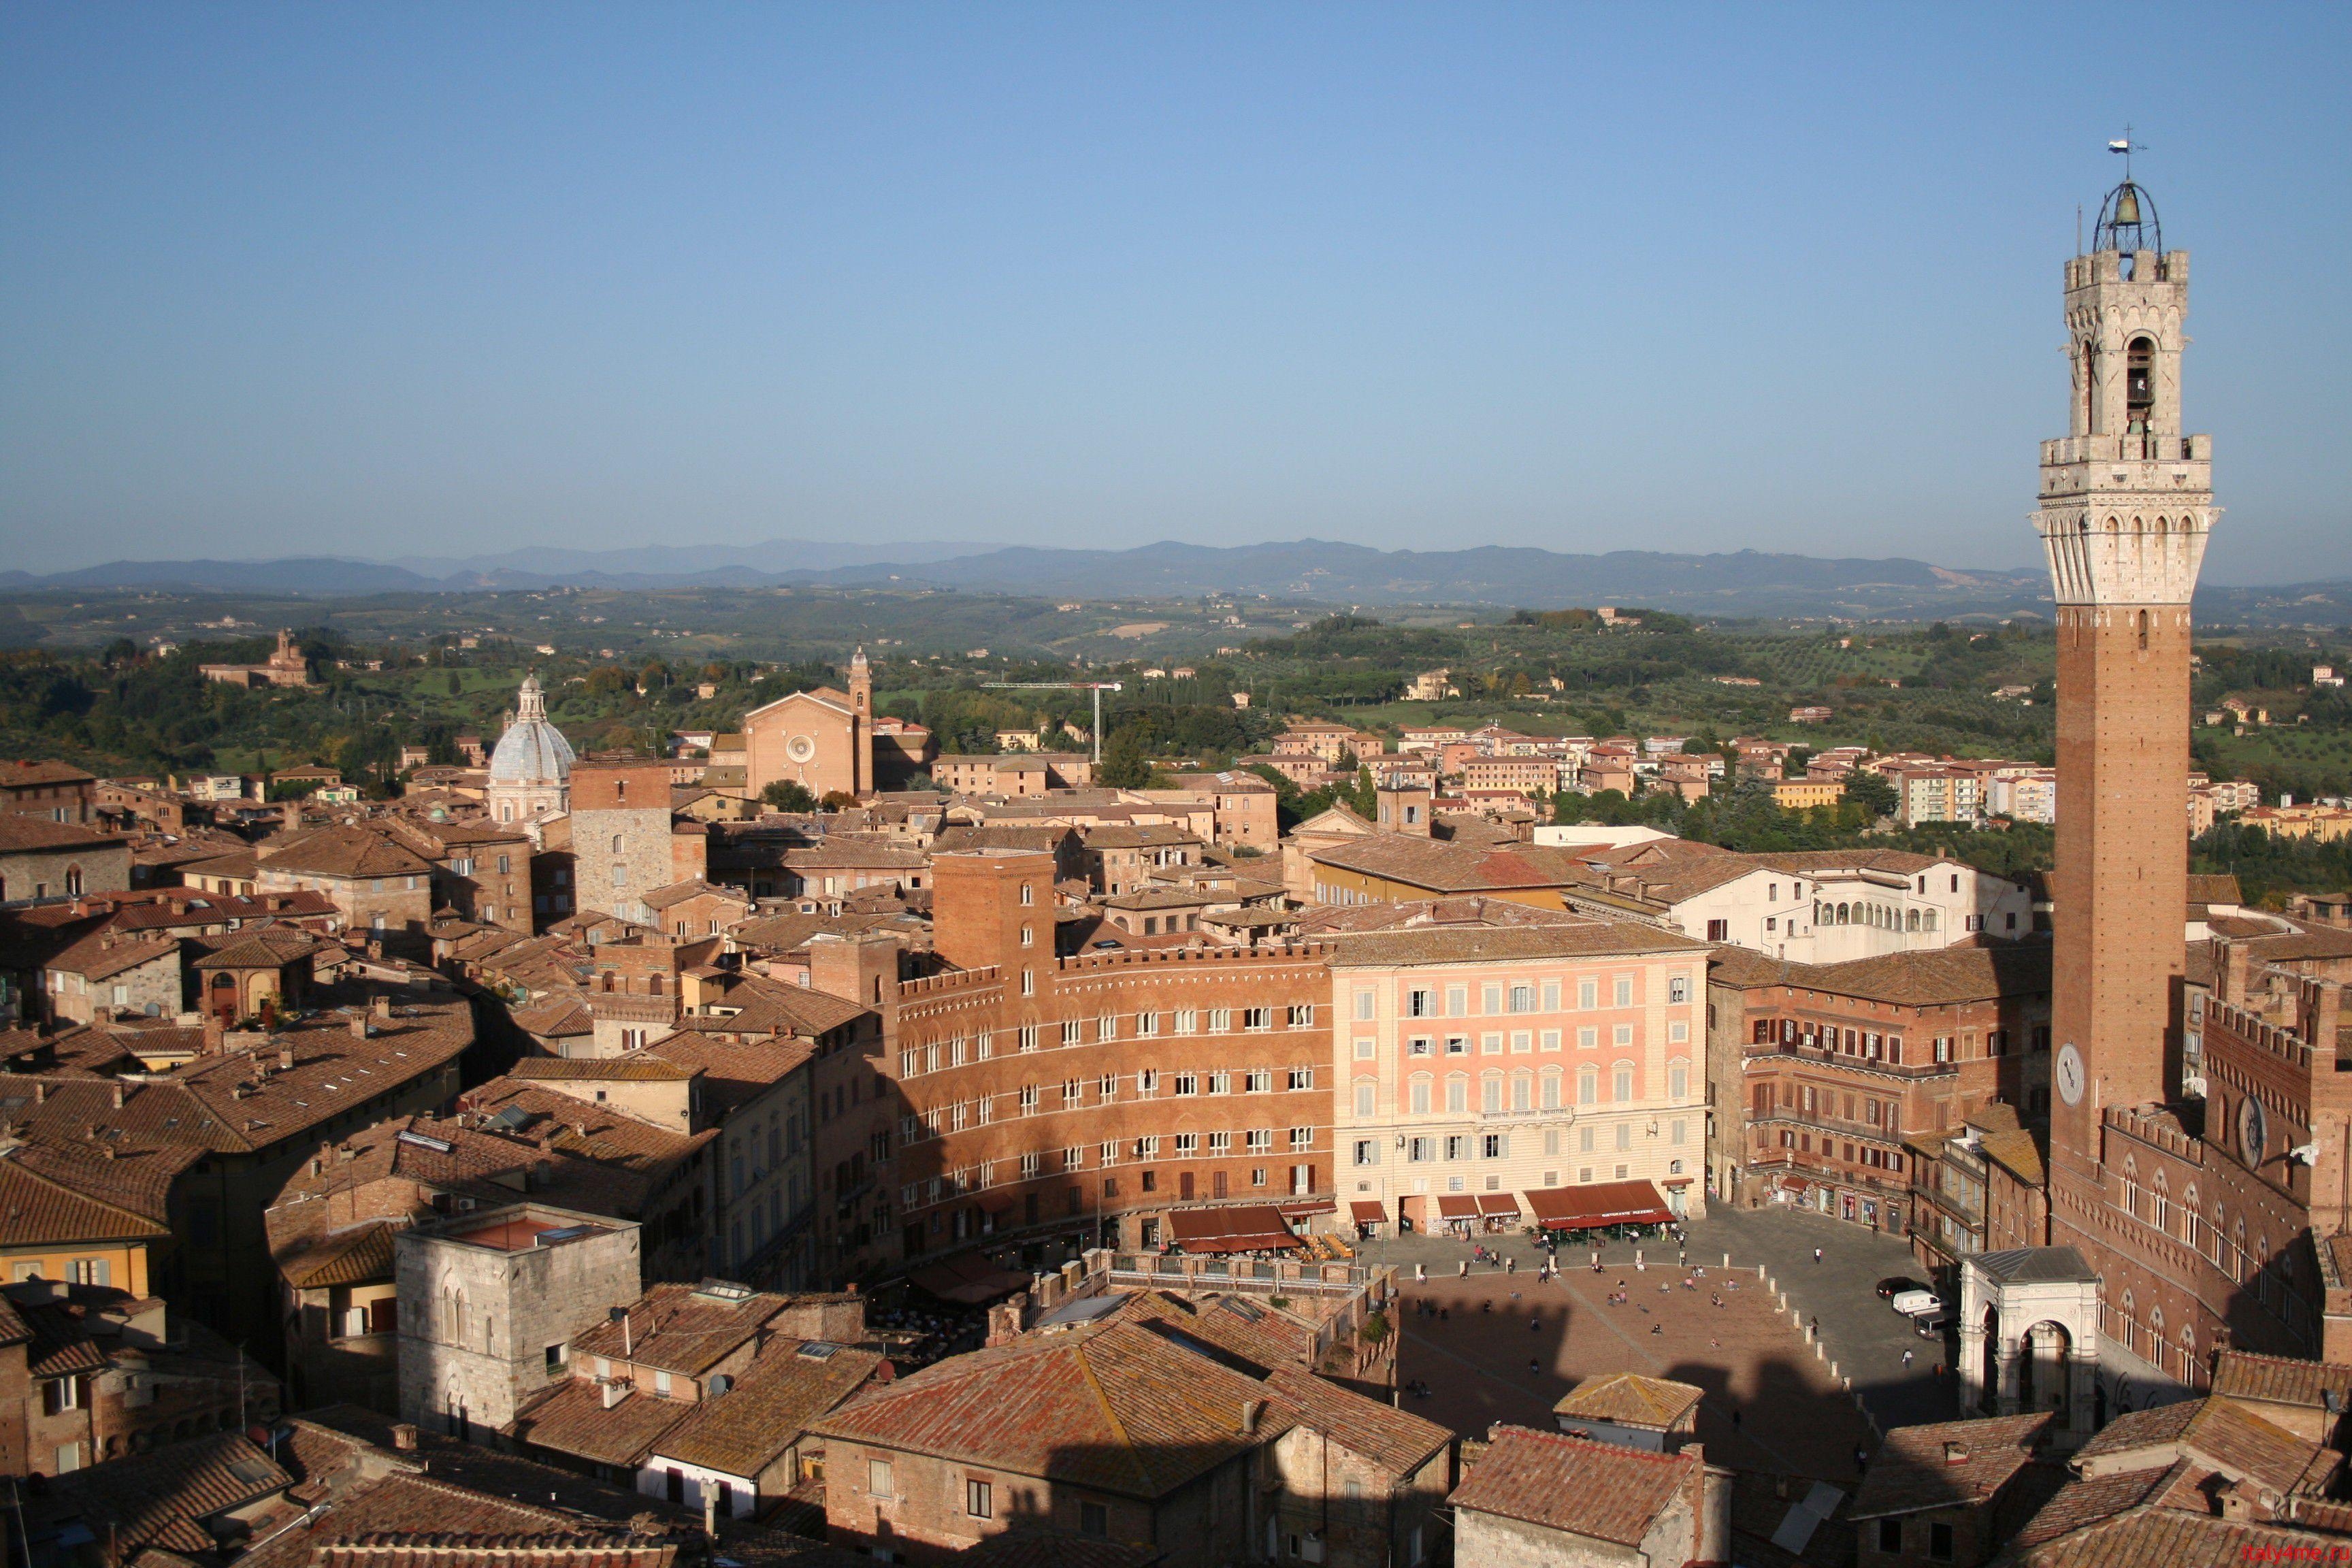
161	1497
1396	1440
637	1067
674	1328
2086	1501
2141	1536
1118	1408
54	1192
768	1410
24	776
1604	1491
225	1102
571	1418
19	832
356	1256
103	954
1913	1469
2242	1374
345	852
1628	1398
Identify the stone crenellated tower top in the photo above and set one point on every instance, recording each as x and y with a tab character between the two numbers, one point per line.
2126	498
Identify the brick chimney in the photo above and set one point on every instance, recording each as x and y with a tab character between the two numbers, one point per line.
404	1435
381	1008
1251	1410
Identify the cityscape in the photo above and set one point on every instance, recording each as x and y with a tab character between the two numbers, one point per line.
1051	1050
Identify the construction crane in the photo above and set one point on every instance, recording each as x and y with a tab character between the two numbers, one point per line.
1097	687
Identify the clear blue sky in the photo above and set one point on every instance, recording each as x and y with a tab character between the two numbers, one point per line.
375	280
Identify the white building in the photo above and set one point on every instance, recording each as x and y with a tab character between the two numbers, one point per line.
1817	906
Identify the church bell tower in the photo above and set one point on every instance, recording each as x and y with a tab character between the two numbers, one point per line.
2127	503
861	725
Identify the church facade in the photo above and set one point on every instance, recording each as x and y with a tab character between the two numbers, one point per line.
822	740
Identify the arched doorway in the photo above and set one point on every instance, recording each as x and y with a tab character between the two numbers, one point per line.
221	1003
2041	1372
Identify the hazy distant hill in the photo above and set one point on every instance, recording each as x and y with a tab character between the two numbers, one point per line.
1318	569
1743	583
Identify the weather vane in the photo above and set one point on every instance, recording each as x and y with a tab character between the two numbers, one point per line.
2126	146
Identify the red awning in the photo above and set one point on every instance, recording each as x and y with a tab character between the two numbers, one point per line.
1497	1204
1250	1227
1676	1181
1369	1211
1311	1206
1453	1205
1604	1203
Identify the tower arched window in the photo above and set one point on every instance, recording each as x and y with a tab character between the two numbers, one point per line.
2139	385
2131	1186
2144	623
2163	1202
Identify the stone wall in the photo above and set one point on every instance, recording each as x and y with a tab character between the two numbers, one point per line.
475	1320
100	866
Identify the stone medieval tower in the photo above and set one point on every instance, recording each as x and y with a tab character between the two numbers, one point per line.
2126	501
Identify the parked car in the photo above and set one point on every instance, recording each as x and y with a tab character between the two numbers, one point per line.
1911	1303
1931	1325
1897	1284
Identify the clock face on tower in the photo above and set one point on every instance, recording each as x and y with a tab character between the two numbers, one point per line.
2070	1073
2253	1129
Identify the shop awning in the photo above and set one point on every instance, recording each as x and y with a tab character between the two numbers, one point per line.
1369	1211
1457	1205
1498	1205
971	1280
1603	1203
1676	1181
1249	1227
1308	1206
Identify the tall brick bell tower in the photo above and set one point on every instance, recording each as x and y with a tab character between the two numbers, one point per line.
2126	502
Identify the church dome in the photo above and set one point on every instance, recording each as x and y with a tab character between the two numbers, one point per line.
532	751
